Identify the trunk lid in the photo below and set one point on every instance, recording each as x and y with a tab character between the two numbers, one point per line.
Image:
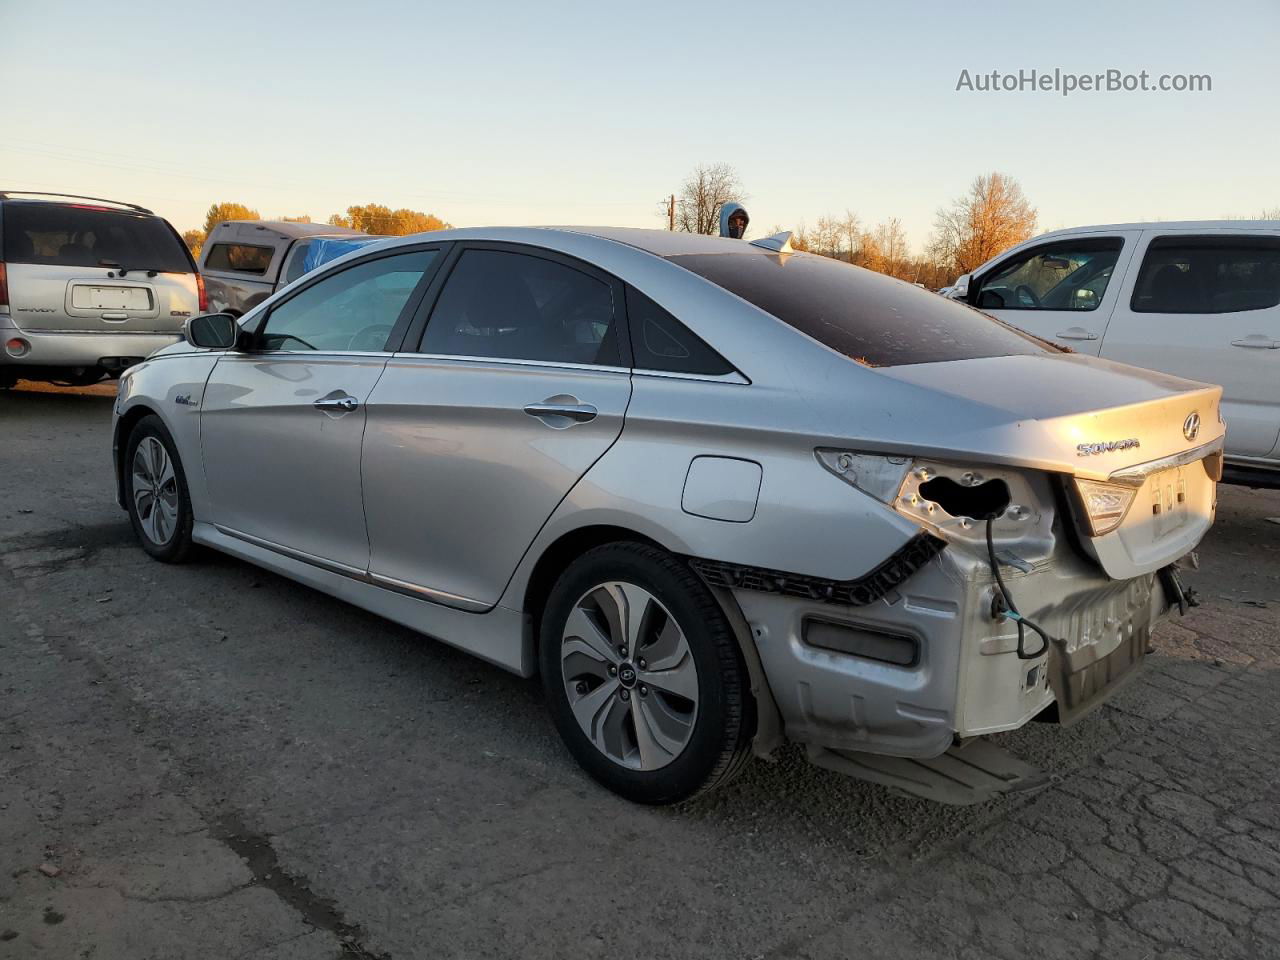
1081	417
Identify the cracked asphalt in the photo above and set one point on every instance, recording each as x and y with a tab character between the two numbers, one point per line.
212	761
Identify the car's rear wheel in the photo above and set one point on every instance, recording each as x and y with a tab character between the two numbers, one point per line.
156	492
643	675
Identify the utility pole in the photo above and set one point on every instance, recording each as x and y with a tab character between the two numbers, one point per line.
671	213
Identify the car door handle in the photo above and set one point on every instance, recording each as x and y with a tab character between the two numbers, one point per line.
331	402
1076	333
1257	341
549	410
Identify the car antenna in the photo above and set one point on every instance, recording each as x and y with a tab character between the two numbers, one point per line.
778	243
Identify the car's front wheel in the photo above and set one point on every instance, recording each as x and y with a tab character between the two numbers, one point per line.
156	492
643	675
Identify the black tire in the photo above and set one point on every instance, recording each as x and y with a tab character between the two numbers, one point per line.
177	546
719	744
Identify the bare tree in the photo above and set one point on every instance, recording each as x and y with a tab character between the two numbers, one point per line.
851	234
704	193
891	241
993	216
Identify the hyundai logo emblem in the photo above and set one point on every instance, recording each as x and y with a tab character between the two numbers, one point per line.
627	674
1191	425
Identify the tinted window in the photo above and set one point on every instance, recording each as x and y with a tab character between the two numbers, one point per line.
661	342
91	237
865	315
1208	275
353	309
239	258
518	307
1061	276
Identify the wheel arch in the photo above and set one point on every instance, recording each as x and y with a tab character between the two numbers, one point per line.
767	736
120	437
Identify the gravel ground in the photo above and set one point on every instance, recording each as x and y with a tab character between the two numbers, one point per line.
210	761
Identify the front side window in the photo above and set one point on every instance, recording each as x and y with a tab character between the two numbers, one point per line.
1208	275
84	236
512	306
239	258
1063	276
352	310
867	316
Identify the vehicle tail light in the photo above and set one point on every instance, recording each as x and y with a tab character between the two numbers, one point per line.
4	287
1105	504
202	293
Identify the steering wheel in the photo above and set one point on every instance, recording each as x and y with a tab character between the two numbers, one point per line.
1022	290
377	333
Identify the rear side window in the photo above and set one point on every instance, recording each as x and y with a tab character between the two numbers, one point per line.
661	342
1208	275
511	306
78	236
239	258
867	316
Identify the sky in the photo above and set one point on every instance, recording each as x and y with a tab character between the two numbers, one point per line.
592	113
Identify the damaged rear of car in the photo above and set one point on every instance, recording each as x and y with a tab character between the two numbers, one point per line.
1040	501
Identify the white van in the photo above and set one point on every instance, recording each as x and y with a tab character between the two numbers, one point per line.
1200	300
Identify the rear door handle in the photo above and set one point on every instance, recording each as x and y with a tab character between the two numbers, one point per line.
1076	333
555	410
1257	341
337	401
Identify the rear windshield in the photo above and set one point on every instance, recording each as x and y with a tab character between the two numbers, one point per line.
90	237
239	258
868	316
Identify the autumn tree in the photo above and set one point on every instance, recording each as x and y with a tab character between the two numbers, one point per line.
993	216
228	211
703	195
383	221
194	239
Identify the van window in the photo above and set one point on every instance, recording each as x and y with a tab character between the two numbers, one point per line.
1069	275
239	258
1208	275
865	315
83	236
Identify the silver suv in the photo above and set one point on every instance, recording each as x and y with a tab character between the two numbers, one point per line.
88	287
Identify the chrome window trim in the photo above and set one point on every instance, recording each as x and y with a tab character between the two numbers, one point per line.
337	354
731	377
364	576
1137	475
510	362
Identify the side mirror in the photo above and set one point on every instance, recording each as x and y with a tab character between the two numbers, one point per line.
960	289
215	331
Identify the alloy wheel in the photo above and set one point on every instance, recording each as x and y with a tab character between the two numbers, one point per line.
629	676
155	490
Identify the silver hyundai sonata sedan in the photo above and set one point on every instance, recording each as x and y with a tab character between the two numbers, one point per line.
718	494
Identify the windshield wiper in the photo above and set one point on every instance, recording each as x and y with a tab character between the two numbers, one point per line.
149	271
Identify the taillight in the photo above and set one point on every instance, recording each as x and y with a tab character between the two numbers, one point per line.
203	306
4	287
1105	504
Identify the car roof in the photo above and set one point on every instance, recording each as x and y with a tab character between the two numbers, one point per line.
1174	225
288	228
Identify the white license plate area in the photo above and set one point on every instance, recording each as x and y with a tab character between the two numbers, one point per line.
87	297
1167	499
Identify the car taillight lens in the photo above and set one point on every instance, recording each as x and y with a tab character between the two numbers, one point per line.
4	287
1105	504
203	294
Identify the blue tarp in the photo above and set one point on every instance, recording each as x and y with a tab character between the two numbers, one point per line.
325	249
